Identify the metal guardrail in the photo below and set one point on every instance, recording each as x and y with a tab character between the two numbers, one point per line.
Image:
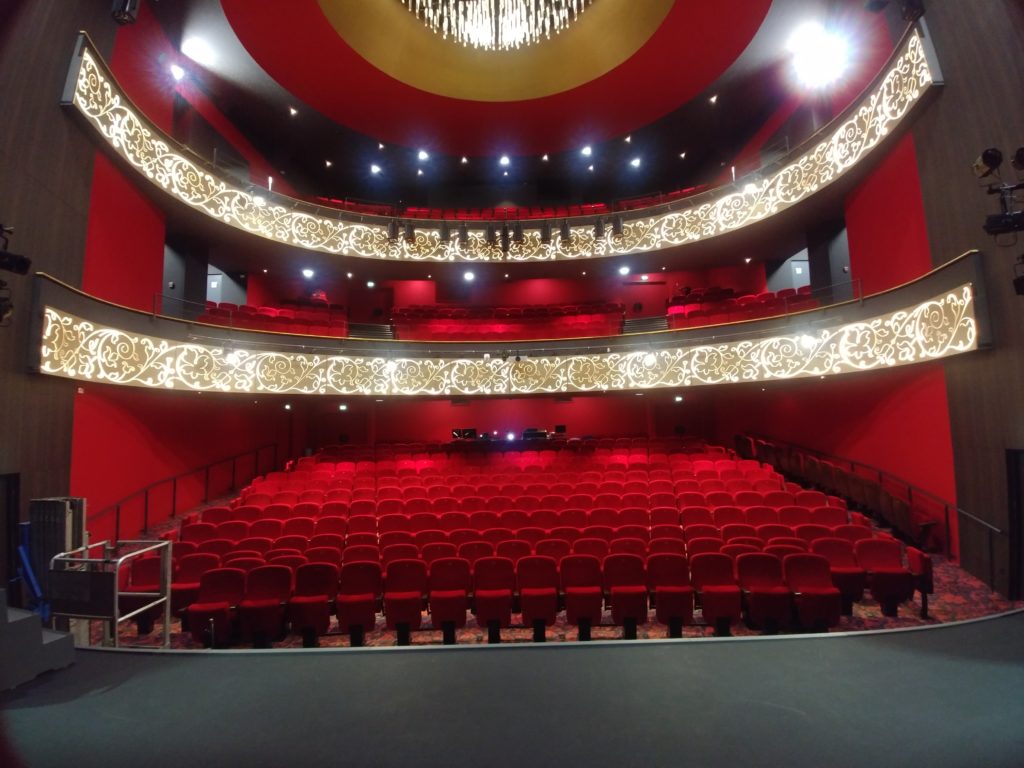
147	492
87	587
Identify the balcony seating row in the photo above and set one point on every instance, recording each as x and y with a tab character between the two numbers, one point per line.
323	320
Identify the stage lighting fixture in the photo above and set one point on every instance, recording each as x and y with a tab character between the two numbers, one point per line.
1018	159
491	234
617	226
410	231
599	229
988	162
564	231
505	239
517	232
12	262
463	233
125	11
445	232
545	232
392	230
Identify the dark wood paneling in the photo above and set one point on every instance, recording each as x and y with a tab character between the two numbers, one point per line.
45	175
979	46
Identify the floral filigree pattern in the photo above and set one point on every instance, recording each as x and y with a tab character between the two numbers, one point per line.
79	349
98	97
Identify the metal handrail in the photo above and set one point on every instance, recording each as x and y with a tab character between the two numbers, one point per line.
73	560
145	492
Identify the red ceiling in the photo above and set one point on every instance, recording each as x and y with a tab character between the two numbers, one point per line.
302	51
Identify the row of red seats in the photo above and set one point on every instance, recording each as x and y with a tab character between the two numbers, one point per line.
505	214
518	312
718	579
278	320
462	330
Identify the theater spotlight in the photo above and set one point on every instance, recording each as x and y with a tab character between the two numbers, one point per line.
988	162
505	239
410	231
11	262
392	230
491	234
463	233
545	232
125	11
517	232
445	231
599	229
1018	159
564	231
617	226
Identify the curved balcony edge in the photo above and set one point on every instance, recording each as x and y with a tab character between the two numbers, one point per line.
900	88
938	315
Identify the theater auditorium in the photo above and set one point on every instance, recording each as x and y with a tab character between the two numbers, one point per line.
528	381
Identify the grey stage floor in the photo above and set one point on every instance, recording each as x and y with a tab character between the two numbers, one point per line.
949	696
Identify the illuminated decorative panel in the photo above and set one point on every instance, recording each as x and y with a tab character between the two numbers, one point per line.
78	349
97	96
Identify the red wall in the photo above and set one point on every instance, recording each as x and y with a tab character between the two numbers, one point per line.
885	223
126	438
896	420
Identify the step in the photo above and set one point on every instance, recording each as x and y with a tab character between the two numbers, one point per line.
58	649
27	648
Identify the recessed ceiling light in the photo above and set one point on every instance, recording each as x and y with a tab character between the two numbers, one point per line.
370	284
663	269
465	159
682	155
348	275
678	398
584	273
714	99
506	275
504	160
328	163
746	260
628	139
308	273
177	72
422	155
343	407
504	173
544	158
587	151
374	169
293	111
623	270
380	146
590	168
287	406
635	162
419	171
199	51
510	436
644	278
430	277
264	271
468	276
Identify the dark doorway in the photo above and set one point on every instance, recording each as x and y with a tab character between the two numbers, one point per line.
9	506
1014	532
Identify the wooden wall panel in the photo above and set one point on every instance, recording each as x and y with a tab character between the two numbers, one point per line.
45	175
979	46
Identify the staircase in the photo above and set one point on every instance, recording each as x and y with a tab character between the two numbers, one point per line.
370	331
26	648
645	324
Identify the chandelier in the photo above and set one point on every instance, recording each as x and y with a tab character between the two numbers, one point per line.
497	25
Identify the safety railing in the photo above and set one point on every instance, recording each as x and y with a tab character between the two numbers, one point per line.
164	499
98	587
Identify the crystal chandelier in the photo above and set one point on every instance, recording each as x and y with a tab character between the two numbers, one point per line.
497	25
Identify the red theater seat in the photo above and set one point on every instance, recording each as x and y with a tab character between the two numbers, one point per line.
889	581
712	578
847	574
537	581
668	582
359	594
580	577
261	611
405	589
494	581
818	602
210	616
625	582
768	599
449	585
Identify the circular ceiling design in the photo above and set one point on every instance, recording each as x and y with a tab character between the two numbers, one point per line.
598	41
621	71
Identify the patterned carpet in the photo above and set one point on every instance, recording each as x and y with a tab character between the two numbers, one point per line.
958	596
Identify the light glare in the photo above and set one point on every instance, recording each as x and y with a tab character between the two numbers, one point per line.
177	72
819	57
199	51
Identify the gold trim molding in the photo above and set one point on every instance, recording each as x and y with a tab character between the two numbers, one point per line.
79	349
99	99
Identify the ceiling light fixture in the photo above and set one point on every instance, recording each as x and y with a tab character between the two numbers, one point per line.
629	139
469	277
682	155
714	99
635	162
380	146
370	284
177	72
465	159
423	155
328	163
587	151
308	273
419	172
820	57
199	51
623	271
293	111
497	25
343	407
504	160
374	169
544	158
590	168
